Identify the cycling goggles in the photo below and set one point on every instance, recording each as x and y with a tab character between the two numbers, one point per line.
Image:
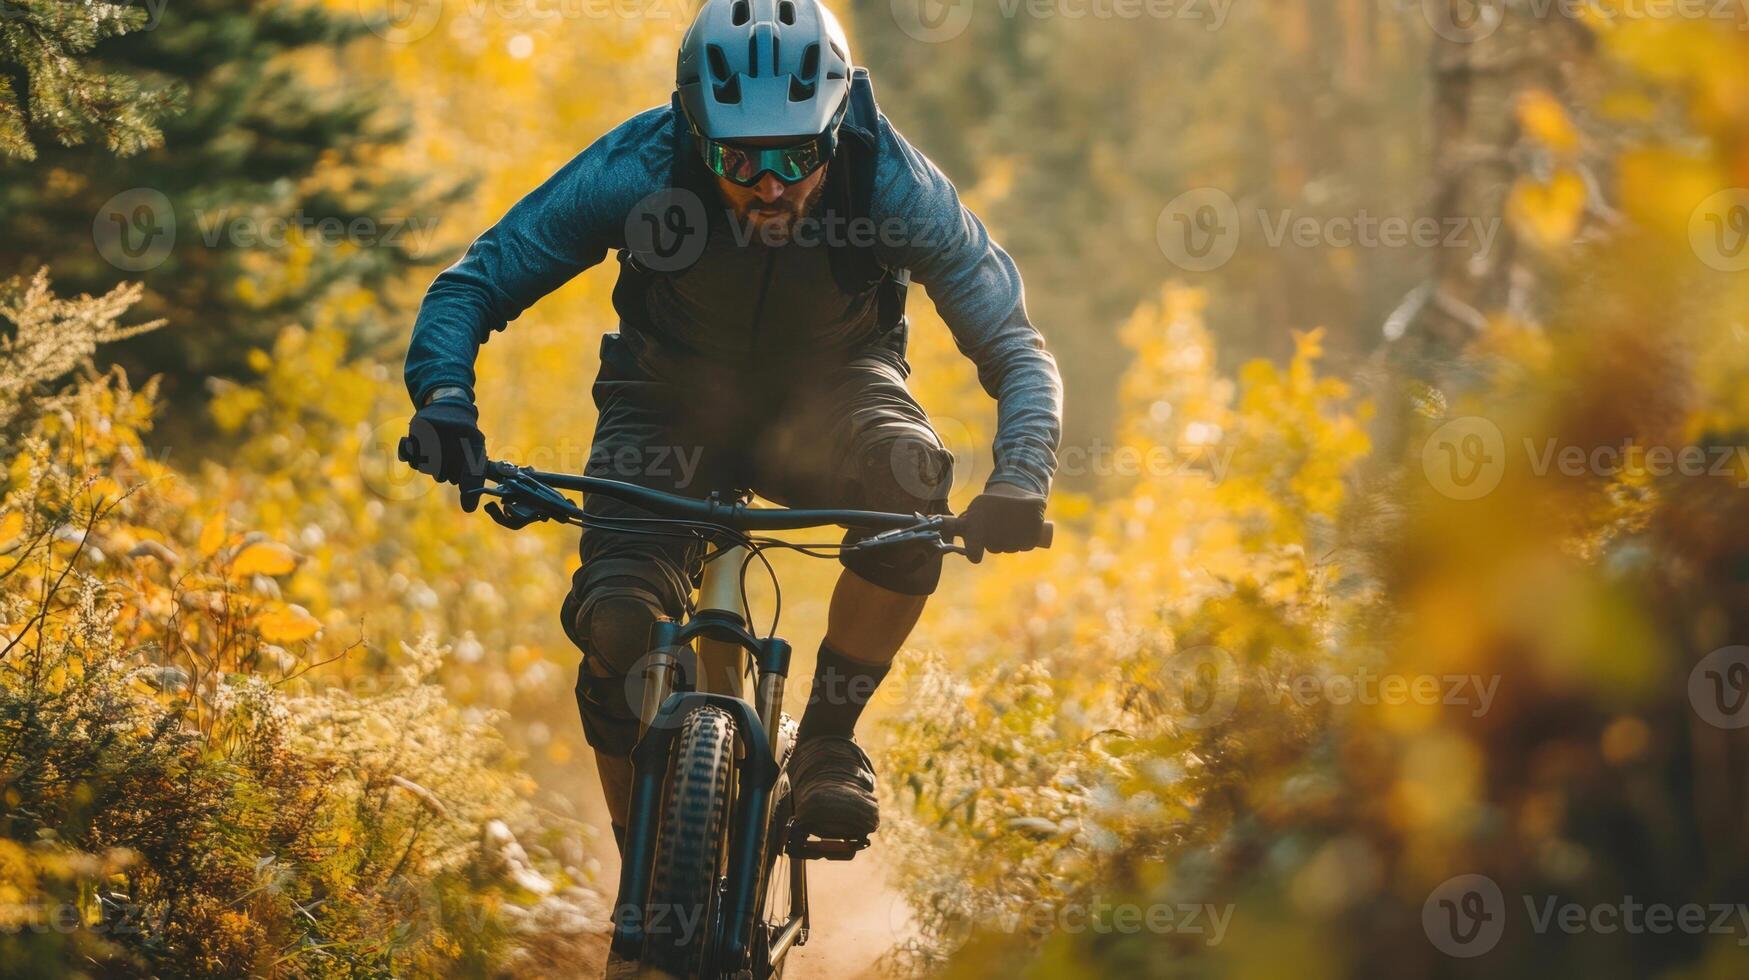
744	165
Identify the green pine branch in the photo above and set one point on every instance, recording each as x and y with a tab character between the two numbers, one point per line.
47	84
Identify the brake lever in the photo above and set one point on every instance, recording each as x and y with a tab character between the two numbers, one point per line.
943	547
513	521
927	529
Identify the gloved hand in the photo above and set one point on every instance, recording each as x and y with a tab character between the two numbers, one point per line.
1004	518
444	440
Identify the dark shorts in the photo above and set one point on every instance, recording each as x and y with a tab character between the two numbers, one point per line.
838	433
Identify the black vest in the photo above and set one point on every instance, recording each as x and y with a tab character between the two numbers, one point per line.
847	196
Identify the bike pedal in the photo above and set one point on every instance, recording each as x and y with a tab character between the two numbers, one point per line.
821	848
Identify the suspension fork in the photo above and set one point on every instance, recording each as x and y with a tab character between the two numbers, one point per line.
719	600
718	621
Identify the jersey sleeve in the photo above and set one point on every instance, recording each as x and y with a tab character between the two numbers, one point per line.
566	225
922	226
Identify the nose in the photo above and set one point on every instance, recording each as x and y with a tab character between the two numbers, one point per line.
769	188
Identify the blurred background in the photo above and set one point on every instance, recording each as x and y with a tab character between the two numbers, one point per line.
1398	614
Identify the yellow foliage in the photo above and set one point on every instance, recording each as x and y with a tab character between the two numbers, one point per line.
286	623
1547	213
265	558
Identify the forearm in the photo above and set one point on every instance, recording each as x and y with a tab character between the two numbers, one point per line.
1029	411
453	322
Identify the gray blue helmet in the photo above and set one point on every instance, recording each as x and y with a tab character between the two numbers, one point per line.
764	68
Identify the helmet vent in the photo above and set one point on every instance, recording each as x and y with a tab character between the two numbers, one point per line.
786	12
753	56
719	62
810	63
740	13
729	92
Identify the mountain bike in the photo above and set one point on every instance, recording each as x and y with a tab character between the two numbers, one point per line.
713	879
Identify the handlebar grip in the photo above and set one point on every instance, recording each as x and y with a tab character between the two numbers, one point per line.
1046	533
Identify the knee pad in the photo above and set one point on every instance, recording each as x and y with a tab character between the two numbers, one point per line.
612	626
906	569
902	472
618	631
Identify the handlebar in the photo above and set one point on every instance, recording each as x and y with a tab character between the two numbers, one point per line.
531	495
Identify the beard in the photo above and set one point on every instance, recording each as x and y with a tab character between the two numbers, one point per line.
775	223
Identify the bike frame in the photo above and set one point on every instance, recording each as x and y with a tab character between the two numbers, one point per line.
719	624
717	637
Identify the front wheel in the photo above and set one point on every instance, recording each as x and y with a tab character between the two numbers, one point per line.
777	900
691	844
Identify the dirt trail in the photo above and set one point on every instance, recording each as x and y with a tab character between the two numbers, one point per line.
855	917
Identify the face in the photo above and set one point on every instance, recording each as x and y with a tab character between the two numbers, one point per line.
770	206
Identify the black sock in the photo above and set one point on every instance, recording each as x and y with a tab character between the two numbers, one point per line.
841	690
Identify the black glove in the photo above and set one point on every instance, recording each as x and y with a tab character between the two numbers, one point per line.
444	440
1002	521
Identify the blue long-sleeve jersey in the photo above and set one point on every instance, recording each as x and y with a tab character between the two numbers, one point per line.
742	300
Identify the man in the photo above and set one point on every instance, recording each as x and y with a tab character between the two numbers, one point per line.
767	222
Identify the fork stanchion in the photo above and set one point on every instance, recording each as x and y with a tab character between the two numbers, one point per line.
773	672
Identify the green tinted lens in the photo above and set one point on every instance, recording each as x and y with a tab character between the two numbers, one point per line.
745	165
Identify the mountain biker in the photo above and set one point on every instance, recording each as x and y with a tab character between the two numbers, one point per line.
767	221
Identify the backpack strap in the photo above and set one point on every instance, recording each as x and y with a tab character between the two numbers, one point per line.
857	266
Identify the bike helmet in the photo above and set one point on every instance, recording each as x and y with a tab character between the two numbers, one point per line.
752	69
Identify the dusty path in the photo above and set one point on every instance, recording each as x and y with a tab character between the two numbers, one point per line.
855	915
855	918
